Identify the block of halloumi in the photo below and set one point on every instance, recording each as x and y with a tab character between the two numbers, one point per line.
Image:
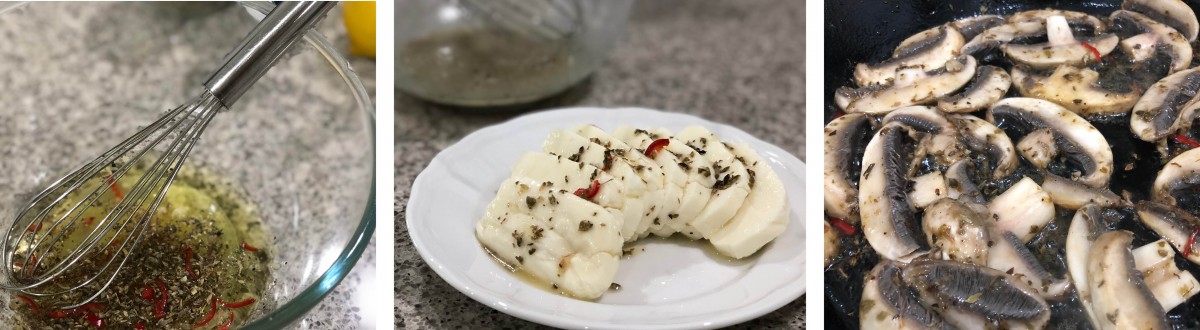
732	180
764	214
650	173
638	198
554	236
562	172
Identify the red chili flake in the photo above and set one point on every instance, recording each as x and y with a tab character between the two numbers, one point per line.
227	323
212	311
160	307
29	301
139	326
187	262
93	307
238	304
589	192
35	228
656	146
1095	52
112	185
249	247
147	293
1187	248
89	220
32	259
94	320
1192	144
842	226
59	313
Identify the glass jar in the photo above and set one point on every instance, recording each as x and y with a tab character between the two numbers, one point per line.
486	53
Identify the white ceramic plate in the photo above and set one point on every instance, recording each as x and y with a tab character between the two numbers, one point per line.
673	283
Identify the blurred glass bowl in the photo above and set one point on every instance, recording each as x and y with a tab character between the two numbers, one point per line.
483	53
79	77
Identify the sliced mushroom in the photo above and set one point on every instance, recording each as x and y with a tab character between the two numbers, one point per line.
1082	146
1120	297
1174	13
1010	255
1071	17
988	86
889	221
845	138
889	303
927	189
1038	147
1073	195
971	296
1179	176
912	89
961	184
1141	47
1062	47
973	26
1163	109
1022	209
1089	222
995	36
957	231
1170	285
1174	43
1076	89
982	137
1172	224
943	143
928	50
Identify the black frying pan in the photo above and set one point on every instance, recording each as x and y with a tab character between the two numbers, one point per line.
867	31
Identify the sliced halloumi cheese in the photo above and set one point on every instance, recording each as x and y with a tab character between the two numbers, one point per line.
698	189
563	173
569	242
676	179
732	180
764	214
637	197
649	171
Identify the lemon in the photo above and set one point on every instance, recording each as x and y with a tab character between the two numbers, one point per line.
359	17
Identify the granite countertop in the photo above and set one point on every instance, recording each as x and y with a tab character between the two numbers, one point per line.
736	62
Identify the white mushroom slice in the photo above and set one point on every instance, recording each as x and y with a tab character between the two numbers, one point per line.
1076	89
1174	13
764	214
928	50
943	143
984	138
1010	255
732	180
995	36
1089	222
988	86
976	297
1140	47
927	189
1120	297
845	138
1166	107
1083	147
957	231
1170	285
962	187
888	303
1023	209
1181	175
1073	195
553	236
1174	43
1072	17
1172	224
831	243
888	220
1062	47
627	164
1038	147
975	25
931	86
637	194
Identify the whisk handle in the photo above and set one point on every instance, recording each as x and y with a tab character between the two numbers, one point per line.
281	28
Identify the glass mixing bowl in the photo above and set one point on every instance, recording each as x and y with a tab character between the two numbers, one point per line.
80	77
484	53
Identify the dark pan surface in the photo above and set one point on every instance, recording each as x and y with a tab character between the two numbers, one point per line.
867	31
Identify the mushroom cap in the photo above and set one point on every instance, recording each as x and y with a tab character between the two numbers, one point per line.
927	87
889	221
974	25
927	50
1176	44
1172	224
987	86
1180	175
969	295
1047	55
1078	141
1076	89
1164	109
845	136
1174	13
982	137
1119	293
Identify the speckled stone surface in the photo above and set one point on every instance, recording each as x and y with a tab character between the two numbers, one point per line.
296	129
736	62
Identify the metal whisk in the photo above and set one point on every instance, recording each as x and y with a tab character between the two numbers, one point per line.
47	241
